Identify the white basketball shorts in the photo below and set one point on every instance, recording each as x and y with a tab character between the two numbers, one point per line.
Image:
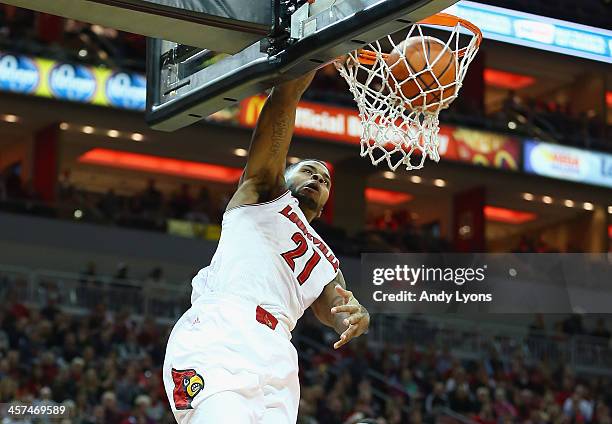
230	361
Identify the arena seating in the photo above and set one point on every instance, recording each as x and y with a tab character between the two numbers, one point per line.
60	348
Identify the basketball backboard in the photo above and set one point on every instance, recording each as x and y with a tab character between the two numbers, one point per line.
185	84
227	23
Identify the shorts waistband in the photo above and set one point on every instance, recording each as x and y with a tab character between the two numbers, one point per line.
253	310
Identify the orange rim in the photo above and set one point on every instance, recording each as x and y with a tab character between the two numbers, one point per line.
368	57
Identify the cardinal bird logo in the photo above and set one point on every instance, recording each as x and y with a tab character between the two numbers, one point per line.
187	384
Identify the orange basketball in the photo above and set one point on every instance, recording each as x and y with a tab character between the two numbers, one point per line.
427	58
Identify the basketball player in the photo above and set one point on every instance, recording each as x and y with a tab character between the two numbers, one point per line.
229	358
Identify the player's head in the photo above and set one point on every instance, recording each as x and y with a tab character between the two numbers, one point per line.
309	182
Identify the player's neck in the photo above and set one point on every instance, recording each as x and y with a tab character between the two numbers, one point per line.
309	214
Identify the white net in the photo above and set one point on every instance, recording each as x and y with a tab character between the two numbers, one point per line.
399	100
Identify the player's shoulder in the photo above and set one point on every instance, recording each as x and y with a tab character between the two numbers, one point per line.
203	273
249	193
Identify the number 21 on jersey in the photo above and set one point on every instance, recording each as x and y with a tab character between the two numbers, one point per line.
300	250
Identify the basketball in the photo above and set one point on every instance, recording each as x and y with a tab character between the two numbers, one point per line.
424	59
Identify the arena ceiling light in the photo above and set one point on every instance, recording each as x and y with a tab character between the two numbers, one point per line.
137	137
508	80
587	206
547	199
386	197
508	216
528	197
568	203
416	179
112	133
439	182
291	159
241	152
610	209
10	118
389	175
160	165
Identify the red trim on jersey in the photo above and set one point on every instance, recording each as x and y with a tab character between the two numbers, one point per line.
258	204
266	318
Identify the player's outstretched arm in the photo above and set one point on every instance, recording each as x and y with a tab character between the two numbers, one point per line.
336	307
272	136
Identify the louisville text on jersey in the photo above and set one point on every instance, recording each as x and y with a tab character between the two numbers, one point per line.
327	253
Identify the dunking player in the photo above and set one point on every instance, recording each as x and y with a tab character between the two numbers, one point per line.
229	357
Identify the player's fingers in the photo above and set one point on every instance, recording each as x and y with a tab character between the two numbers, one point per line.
351	309
346	294
344	339
354	319
349	333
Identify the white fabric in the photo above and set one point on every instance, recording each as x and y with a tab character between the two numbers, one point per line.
234	354
249	262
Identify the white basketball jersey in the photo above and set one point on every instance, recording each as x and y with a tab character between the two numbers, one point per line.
269	254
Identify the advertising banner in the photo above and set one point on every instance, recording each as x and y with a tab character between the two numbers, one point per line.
526	29
72	82
568	163
344	125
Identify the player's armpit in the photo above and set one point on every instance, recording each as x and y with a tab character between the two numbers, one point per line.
252	190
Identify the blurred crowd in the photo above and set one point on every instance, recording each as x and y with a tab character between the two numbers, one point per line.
554	121
151	209
522	116
388	230
426	383
105	367
102	368
27	32
148	209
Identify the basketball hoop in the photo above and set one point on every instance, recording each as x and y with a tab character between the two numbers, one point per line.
400	124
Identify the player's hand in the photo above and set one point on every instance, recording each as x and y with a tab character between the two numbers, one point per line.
357	321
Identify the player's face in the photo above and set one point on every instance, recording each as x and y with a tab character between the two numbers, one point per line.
309	182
